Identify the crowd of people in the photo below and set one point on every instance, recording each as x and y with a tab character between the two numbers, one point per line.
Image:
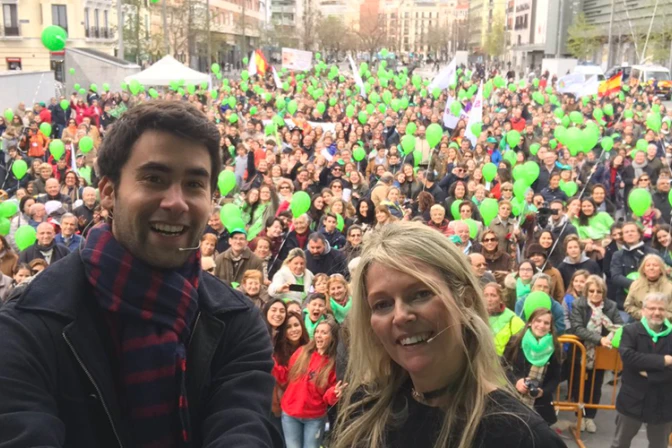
563	234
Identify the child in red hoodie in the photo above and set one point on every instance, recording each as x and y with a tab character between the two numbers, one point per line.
311	384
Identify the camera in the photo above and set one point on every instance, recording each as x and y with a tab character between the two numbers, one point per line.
532	387
543	214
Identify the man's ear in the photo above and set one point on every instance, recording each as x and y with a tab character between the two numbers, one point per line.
107	193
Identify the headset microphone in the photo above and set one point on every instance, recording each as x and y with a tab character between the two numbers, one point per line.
188	248
437	334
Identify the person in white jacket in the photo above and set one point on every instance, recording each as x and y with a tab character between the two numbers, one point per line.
293	272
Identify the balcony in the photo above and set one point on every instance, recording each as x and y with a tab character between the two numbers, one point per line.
10	31
93	32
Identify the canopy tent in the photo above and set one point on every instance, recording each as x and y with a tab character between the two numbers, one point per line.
166	70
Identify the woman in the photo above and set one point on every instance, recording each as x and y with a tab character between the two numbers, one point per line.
316	210
315	312
392	203
274	312
575	260
412	285
499	262
311	387
573	292
602	203
662	242
353	247
503	322
208	246
20	219
70	186
292	336
519	284
423	205
651	279
8	257
366	215
594	320
359	186
273	230
261	246
293	280
593	227
537	255
268	204
21	272
456	192
533	361
383	216
339	302
252	286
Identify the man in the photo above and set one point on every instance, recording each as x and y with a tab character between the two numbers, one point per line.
127	343
45	248
545	170
505	227
52	193
428	179
353	247
216	227
390	135
46	172
558	223
333	236
646	380
68	237
84	213
380	190
322	259
480	268
297	237
661	198
553	191
461	230
238	258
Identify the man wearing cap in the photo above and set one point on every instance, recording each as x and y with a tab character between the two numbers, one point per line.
45	248
238	258
493	150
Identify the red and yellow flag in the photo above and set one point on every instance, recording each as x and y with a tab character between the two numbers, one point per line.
611	85
260	61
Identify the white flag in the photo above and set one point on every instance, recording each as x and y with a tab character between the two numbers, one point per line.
252	66
276	78
475	114
446	77
450	120
589	88
570	83
358	79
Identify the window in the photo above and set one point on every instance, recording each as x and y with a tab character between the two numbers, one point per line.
59	16
86	19
106	24
146	26
10	20
96	19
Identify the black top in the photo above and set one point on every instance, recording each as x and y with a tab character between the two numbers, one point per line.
507	423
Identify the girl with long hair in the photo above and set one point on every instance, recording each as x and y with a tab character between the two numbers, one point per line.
311	387
573	292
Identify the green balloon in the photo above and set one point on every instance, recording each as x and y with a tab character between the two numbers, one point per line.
608	109
513	138
531	171
93	88
77	87
489	209
4	226
654	121
433	134
8	209
300	203
476	129
19	169
570	188
57	149
65	104
85	144
153	93
518	172
359	154
510	156
534	148
489	171
408	144
534	301
362	117
292	107
45	128
411	128
321	108
576	117
456	108
639	201
25	237
642	145
233	118
9	114
230	216
215	68
253	110
520	188
455	208
54	38
226	182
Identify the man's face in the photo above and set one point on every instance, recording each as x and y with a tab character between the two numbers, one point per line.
45	234
51	187
478	264
215	222
355	237
45	173
68	226
316	248
549	158
541	285
663	184
558	209
654	311
329	224
462	230
89	197
161	202
238	242
554	182
630	234
437	215
300	225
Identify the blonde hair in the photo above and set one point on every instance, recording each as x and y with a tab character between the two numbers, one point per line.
296	252
252	274
336	278
648	257
416	250
598	282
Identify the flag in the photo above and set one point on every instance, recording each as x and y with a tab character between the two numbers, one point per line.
358	79
475	115
611	85
570	83
589	88
73	159
450	120
446	77
276	78
257	64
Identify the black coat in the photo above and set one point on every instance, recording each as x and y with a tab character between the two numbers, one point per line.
32	252
58	388
649	399
662	202
624	262
333	262
567	270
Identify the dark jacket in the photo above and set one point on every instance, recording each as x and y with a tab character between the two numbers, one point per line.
222	239
624	262
580	317
662	202
32	252
567	268
225	270
331	262
335	238
64	199
58	388
648	400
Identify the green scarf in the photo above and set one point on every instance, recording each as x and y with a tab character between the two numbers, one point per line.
537	351
497	323
655	336
340	311
310	325
522	289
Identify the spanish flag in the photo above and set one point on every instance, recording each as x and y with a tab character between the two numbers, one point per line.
611	85
258	63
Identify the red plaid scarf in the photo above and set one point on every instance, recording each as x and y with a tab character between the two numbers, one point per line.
151	312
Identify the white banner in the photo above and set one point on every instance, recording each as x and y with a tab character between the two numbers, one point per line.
589	88
358	79
450	120
446	77
570	83
475	115
276	78
293	59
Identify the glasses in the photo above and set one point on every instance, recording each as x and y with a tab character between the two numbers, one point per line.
507	189
336	187
285	187
525	269
489	240
337	169
594	291
645	179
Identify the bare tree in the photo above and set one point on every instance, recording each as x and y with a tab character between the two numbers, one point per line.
330	33
373	37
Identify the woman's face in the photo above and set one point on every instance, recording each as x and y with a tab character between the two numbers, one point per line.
337	291
459	191
294	330
354	177
594	294
574	207
405	313
70	180
380	170
465	212
297	265
504	211
252	286
276	171
381	217
663	237
26	206
363	208
318	203
322	337
541	325
578	283
492	300
393	195
408	171
265	194
207	248
545	240
263	249
276	314
652	270
337	207
275	229
21	275
489	242
573	250
598	195
253	196
526	271
587	208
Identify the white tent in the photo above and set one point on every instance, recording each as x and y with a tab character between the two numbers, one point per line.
166	70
